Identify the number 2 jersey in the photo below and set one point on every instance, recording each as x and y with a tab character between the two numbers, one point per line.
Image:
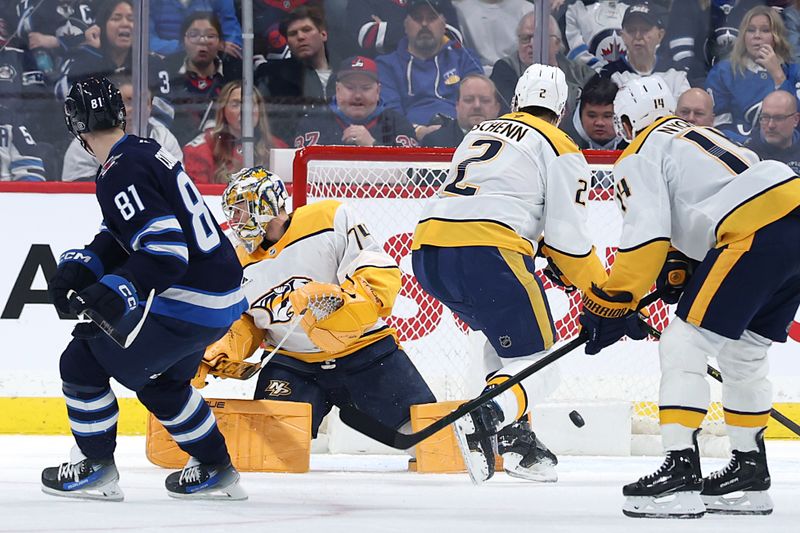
691	187
158	232
512	179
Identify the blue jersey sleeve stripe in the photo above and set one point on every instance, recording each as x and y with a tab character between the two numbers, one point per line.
178	250
203	316
208	300
154	226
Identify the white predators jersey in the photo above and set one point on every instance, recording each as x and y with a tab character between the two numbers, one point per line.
324	242
512	179
691	187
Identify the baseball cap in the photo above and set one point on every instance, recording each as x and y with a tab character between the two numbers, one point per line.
411	5
357	65
645	12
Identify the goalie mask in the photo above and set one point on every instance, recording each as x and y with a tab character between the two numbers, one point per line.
542	86
642	101
253	197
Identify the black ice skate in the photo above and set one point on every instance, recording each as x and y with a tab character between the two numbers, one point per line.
741	487
475	434
672	491
198	481
524	455
80	477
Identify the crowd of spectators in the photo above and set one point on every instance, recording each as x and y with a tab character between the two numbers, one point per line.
388	72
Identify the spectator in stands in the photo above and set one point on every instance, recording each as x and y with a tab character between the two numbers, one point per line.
791	19
593	31
53	29
759	64
167	19
778	137
696	106
213	156
591	126
421	78
20	159
507	71
80	165
642	32
486	25
702	32
114	55
357	116
376	26
303	81
268	15
477	101
197	75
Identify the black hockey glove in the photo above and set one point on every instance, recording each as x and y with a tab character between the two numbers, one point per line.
77	269
607	319
112	298
674	276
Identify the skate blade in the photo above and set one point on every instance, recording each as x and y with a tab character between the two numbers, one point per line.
475	462
106	493
740	503
542	472
683	505
233	492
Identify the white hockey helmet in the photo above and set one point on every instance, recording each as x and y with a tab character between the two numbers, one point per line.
642	101
253	197
542	86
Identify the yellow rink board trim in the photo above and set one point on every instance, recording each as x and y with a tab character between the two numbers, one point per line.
48	416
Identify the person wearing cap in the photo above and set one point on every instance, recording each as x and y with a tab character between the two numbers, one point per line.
376	26
477	101
357	116
421	78
642	32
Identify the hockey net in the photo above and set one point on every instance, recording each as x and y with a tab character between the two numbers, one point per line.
387	188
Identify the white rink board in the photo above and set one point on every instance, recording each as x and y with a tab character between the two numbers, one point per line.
33	342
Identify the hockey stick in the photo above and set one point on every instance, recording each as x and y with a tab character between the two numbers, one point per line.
787	422
382	433
123	339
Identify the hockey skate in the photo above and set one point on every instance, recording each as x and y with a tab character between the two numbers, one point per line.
80	477
741	487
524	455
198	481
475	434
672	491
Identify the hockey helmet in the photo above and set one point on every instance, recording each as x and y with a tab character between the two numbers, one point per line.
253	197
93	104
541	86
642	101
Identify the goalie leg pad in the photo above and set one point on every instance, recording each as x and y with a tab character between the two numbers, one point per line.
262	436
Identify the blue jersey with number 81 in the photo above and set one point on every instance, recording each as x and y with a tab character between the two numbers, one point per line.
154	212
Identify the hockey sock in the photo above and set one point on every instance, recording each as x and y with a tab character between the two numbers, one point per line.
676	437
93	413
743	439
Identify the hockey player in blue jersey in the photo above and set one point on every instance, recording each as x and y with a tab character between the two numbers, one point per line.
157	237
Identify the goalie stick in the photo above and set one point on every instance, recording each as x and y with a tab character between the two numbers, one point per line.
787	422
382	433
123	339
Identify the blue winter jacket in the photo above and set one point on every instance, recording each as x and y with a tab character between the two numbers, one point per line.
166	17
420	88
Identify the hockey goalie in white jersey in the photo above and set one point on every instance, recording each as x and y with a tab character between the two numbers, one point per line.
734	221
511	180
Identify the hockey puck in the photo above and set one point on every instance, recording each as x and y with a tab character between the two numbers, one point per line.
577	419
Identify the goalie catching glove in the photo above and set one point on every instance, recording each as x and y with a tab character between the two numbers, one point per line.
225	357
674	276
608	318
333	317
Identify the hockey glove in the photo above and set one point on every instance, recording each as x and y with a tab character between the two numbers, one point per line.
112	298
77	269
608	318
674	276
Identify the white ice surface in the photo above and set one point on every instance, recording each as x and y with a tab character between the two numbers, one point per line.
356	494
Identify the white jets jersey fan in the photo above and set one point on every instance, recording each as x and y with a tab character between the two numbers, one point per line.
513	178
594	32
